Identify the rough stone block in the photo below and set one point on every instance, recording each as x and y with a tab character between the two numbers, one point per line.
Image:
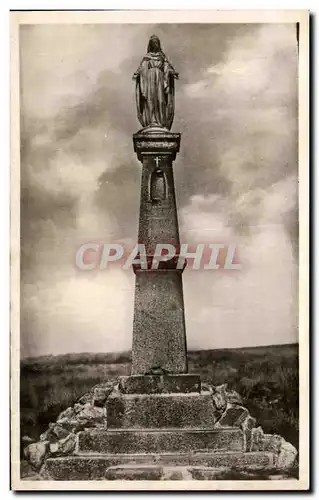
64	446
27	472
257	439
254	460
36	453
54	433
233	416
287	455
160	411
247	426
101	393
134	472
209	473
152	384
271	442
160	441
176	473
75	468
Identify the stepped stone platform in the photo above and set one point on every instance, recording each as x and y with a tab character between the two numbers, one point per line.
159	427
161	440
155	466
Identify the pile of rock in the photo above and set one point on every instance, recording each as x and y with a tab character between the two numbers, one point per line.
233	414
60	437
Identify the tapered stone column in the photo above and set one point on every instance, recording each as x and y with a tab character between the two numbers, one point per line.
159	338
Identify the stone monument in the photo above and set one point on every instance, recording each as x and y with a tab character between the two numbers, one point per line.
159	338
160	422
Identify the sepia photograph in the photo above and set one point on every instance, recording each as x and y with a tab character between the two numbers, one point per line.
159	246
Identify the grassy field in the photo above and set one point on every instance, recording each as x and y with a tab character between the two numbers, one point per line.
265	377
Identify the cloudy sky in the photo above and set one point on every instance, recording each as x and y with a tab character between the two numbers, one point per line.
235	178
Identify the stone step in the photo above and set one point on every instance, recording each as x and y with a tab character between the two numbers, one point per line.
160	441
90	466
131	472
142	411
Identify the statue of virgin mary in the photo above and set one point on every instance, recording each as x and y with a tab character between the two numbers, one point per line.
155	87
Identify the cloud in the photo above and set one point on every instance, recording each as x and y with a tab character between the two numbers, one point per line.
257	304
79	314
245	135
260	65
235	176
252	306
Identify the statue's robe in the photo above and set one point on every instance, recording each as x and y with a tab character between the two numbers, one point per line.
155	91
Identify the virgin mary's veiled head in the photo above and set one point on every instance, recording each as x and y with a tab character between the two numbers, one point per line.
154	44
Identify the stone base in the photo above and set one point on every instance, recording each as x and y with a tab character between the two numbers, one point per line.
160	440
143	411
159	384
149	431
198	466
